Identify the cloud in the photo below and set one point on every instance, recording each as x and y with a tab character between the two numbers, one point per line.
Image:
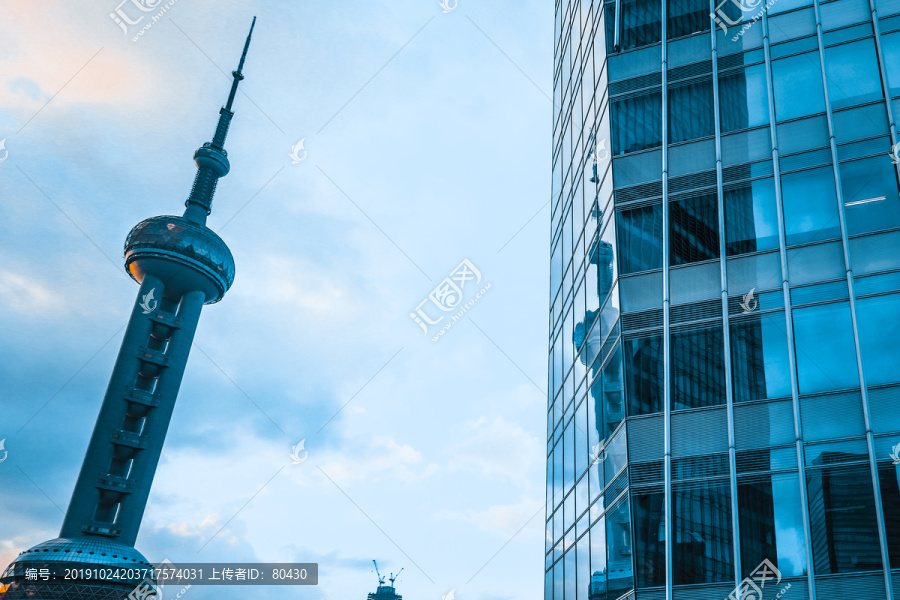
28	296
498	448
504	520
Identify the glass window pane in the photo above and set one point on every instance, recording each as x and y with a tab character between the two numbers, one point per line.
637	122
759	357
798	86
644	375
751	217
607	398
698	368
852	74
639	234
810	206
650	539
771	522
695	229
620	573
702	550
842	518
879	332
890	46
641	23
583	566
826	359
869	188
691	111
785	5
743	99
684	17
598	561
570	562
889	480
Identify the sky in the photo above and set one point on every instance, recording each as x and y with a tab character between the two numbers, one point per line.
426	138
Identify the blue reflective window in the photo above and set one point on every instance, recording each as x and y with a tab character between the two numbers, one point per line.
825	351
842	508
759	358
889	480
698	368
637	122
798	86
869	188
650	539
691	111
620	572
810	206
702	551
771	524
878	320
570	562
641	23
684	17
584	573
644	375
694	234
751	217
598	561
852	73
743	99
639	235
890	46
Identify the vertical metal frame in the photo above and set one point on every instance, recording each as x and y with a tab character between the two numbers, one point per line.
667	366
726	329
789	324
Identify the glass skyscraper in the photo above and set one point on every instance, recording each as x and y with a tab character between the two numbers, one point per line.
724	359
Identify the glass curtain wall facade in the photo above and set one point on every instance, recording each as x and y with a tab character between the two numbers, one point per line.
724	357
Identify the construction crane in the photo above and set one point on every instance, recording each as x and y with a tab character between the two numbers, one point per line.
395	577
380	576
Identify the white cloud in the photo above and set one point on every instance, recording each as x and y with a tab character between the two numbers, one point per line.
504	520
498	448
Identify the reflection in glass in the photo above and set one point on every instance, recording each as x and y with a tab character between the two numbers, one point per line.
644	375
559	581
826	358
597	586
744	99
639	234
869	188
844	529
702	551
637	122
650	539
771	521
691	111
759	358
797	82
684	17
694	229
620	573
570	563
889	480
879	333
698	368
641	23
810	206
751	218
615	456
584	565
851	71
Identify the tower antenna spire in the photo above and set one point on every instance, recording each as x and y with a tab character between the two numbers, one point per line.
211	158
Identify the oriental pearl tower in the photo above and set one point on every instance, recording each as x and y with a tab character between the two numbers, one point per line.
180	265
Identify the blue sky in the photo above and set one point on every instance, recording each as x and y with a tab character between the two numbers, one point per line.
428	140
